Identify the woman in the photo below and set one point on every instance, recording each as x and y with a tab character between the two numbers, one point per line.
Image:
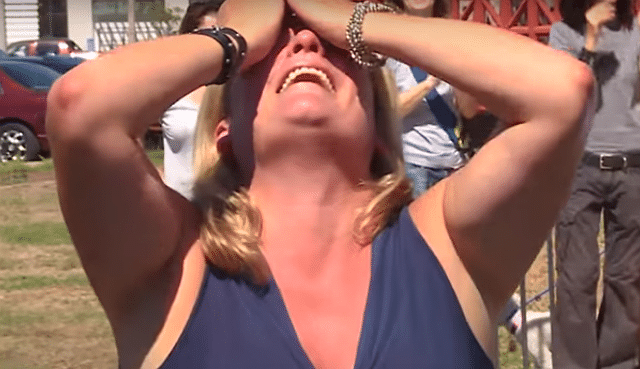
427	106
604	35
179	120
323	191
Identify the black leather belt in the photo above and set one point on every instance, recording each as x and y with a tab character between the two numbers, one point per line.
612	161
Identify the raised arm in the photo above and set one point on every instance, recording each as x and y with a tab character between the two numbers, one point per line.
408	100
127	226
496	211
596	17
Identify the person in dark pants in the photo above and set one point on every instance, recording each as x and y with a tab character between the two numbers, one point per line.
603	34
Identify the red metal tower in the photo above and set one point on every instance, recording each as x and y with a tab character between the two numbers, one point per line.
532	18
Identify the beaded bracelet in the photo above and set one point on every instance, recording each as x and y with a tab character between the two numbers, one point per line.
233	55
359	51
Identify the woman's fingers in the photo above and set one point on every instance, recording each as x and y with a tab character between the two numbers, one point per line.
258	21
600	13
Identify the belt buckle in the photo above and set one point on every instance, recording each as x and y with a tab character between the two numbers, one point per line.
603	157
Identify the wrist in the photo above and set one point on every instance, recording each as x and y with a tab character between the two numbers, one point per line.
234	49
591	36
360	52
587	56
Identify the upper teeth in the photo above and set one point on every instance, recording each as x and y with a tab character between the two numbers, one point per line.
306	70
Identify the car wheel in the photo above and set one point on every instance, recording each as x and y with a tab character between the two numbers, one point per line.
17	142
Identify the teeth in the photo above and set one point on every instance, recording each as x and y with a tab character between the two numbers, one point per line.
323	78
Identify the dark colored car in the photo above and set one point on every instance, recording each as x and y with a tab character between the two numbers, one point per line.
59	63
23	103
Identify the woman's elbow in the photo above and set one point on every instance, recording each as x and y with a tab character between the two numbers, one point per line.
576	102
584	81
65	114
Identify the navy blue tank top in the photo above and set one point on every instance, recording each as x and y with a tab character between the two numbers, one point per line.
412	317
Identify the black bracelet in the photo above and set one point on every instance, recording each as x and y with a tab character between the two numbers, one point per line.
232	56
240	41
587	56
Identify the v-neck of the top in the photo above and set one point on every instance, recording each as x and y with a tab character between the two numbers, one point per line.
291	331
412	317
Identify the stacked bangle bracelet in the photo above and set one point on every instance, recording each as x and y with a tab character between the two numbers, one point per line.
359	51
234	53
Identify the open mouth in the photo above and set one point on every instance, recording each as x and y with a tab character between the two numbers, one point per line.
307	74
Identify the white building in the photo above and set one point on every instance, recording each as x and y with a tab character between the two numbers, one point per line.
96	25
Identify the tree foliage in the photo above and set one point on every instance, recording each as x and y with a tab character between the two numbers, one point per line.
166	21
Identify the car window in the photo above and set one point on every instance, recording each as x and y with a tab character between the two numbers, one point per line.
73	46
30	75
12	48
46	49
17	50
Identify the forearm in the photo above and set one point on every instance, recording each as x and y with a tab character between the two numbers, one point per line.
408	100
591	38
132	86
541	94
458	52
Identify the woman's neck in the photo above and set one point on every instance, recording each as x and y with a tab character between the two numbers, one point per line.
424	12
308	216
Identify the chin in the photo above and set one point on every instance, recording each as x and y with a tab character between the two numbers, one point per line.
304	112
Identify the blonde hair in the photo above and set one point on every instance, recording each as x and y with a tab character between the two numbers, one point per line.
232	224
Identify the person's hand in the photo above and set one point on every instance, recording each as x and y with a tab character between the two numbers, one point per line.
258	21
431	81
328	18
600	13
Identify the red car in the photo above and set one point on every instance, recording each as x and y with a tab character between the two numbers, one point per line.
49	46
23	103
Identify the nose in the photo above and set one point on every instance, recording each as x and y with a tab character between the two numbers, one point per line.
305	40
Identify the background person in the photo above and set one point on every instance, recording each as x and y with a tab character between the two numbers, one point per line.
179	120
427	108
603	34
307	236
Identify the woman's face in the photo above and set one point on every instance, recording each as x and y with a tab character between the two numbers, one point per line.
306	93
419	7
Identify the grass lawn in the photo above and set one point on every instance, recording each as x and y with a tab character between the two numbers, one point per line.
49	315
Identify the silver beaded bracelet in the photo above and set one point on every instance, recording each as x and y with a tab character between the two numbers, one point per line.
359	51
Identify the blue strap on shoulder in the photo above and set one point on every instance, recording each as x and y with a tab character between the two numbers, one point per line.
440	109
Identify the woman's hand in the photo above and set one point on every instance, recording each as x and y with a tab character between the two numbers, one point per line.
597	15
328	18
601	13
258	21
409	99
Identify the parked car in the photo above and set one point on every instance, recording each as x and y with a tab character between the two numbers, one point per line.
23	102
59	63
49	46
